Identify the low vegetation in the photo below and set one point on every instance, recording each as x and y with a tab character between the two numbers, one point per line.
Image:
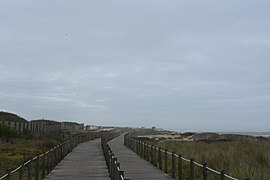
17	147
240	158
45	121
25	146
6	116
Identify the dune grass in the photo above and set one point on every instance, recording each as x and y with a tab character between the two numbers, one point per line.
26	146
240	158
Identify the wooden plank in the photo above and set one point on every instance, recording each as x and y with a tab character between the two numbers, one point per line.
133	166
86	161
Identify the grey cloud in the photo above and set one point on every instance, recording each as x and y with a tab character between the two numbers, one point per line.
197	65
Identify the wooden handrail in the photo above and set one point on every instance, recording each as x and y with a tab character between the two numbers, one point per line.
114	170
134	145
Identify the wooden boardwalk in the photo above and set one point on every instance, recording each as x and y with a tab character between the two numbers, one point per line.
86	161
134	166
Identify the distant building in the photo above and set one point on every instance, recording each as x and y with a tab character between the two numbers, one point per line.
91	127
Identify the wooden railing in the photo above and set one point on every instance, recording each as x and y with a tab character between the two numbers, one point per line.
41	165
114	170
160	158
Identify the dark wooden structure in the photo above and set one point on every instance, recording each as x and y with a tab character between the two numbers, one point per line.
133	166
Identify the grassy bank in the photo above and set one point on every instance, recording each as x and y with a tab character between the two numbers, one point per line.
17	147
240	158
22	148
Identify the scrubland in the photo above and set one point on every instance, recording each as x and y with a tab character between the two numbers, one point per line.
239	158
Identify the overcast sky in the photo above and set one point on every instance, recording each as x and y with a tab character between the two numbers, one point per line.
183	65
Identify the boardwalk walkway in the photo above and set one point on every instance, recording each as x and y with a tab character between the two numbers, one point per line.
133	166
86	161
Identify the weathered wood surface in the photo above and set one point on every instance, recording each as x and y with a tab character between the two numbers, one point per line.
133	166
86	161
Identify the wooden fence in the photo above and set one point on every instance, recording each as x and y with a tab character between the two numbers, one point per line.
35	127
162	159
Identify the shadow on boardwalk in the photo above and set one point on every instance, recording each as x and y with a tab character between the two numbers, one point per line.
133	166
86	161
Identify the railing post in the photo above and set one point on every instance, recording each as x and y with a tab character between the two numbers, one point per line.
21	177
115	168
180	167
43	165
159	158
126	142
121	173
129	142
222	175
65	148
68	146
30	169
155	155
115	172
141	149
138	147
166	160
55	156
191	169
48	162
173	165
134	145
37	168
110	164
139	144
204	171
118	172
9	174
147	152
59	154
52	158
144	151
62	155
152	154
